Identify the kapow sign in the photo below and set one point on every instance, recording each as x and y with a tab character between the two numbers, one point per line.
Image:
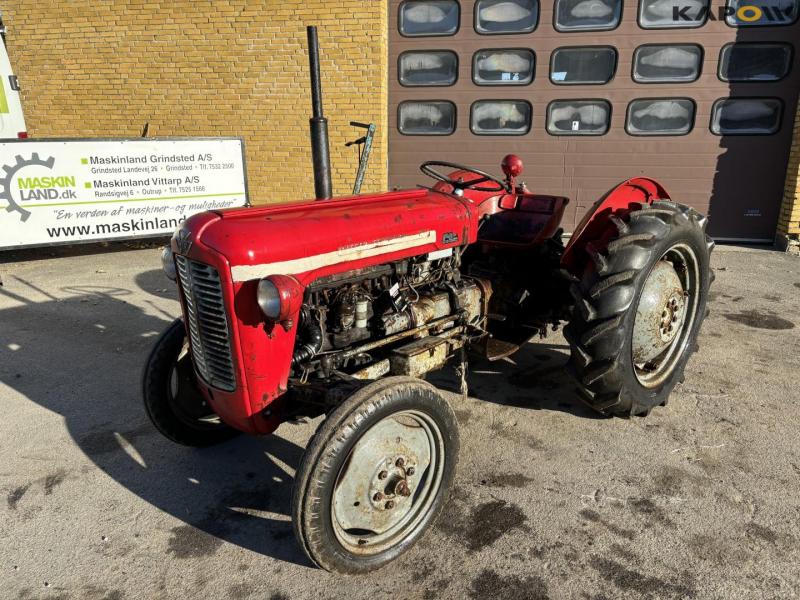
738	15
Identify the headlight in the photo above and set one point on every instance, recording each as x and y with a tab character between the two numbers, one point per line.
269	299
168	263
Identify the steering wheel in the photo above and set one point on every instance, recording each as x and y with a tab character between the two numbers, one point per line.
460	184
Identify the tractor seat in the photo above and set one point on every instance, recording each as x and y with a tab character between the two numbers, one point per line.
534	218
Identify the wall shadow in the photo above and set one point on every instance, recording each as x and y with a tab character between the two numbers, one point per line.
751	170
81	357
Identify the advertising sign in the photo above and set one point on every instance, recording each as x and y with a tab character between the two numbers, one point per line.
69	191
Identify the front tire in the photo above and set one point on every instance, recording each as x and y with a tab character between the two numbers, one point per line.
171	398
375	476
638	309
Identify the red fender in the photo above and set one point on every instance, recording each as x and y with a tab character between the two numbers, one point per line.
594	227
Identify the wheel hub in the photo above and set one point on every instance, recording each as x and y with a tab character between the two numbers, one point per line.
660	314
671	317
392	483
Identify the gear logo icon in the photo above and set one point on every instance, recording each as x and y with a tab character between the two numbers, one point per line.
6	182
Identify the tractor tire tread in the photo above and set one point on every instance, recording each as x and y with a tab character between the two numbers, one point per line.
601	314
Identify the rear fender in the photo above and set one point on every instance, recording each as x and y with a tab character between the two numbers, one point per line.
596	228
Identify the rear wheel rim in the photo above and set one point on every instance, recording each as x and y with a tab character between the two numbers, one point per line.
676	318
388	484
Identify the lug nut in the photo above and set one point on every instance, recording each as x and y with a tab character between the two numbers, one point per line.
400	462
378	497
390	504
410	471
383	475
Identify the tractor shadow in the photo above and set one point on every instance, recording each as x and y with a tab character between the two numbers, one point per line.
81	356
534	378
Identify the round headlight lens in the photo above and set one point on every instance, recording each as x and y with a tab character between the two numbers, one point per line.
168	263
269	299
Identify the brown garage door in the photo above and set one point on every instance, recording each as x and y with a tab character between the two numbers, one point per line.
591	92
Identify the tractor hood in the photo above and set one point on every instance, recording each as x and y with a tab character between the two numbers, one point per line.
311	239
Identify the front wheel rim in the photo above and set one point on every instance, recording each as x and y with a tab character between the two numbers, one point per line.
653	372
388	484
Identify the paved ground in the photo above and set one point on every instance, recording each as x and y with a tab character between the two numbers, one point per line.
700	500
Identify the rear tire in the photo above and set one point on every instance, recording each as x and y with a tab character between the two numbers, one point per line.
171	398
615	369
375	475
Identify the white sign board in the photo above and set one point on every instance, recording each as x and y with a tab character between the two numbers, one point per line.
68	191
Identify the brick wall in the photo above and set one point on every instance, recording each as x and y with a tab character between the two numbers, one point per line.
206	68
789	219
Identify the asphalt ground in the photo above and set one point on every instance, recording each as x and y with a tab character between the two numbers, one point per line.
699	500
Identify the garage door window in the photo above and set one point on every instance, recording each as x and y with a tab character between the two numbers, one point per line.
500	117
431	117
588	65
746	116
507	66
430	67
429	17
506	16
587	15
660	116
762	13
679	63
754	62
578	117
660	14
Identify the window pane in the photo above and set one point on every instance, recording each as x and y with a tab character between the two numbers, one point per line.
506	16
578	117
746	116
429	17
434	117
656	64
433	67
754	62
662	116
503	67
659	14
500	117
762	13
572	15
583	65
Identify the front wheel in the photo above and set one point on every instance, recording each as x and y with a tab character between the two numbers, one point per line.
375	475
172	401
639	307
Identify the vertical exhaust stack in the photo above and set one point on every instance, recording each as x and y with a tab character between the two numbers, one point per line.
320	151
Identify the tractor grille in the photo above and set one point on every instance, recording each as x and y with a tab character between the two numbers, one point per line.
208	324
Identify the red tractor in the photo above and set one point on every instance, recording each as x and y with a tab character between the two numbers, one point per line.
341	306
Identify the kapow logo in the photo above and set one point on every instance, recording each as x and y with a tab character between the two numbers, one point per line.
743	14
6	191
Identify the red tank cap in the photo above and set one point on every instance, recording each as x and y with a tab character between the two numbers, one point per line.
23	135
512	165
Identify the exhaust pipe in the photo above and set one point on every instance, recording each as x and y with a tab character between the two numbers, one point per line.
320	152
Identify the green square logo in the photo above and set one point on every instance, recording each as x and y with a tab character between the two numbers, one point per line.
84	161
87	184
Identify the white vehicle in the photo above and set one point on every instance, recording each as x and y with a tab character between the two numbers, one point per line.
12	121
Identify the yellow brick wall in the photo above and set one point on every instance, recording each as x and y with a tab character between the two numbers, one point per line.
205	68
789	220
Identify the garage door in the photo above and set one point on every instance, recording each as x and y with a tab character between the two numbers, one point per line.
592	92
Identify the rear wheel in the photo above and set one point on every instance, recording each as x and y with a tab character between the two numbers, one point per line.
638	309
172	401
375	475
